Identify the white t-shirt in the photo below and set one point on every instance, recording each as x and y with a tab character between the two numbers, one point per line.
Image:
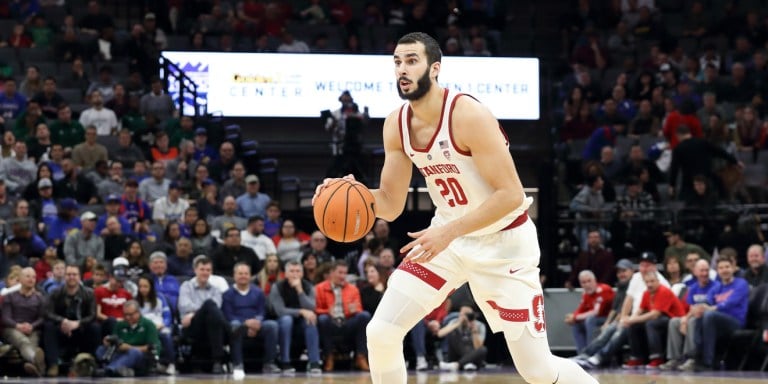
104	120
637	287
164	209
261	244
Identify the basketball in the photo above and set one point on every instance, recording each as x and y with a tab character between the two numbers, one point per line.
345	211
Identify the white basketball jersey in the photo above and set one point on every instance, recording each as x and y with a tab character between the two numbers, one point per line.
453	180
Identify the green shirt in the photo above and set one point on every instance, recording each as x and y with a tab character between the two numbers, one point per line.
21	131
682	252
67	134
144	333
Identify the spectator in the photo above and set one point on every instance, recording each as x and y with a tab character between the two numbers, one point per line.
273	222
105	85
202	240
12	103
104	119
23	315
26	123
66	131
166	285
40	146
116	242
180	263
750	132
71	313
110	299
231	253
289	241
230	218
18	171
590	52
588	204
87	154
132	207
290	45
112	209
373	289
318	245
95	20
137	338
685	116
200	310
244	306
756	273
221	168
592	311
155	187
601	137
56	279
254	238
236	185
162	151
170	208
647	329
119	103
126	153
155	308
679	248
465	336
681	346
75	185
693	157
293	300
253	202
344	317
65	221
724	313
153	32
84	243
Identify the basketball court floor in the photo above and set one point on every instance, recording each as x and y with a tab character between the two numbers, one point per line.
499	376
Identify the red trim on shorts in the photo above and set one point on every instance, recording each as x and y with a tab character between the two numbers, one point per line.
423	274
517	222
437	131
511	315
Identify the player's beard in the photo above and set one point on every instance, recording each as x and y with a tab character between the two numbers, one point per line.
422	87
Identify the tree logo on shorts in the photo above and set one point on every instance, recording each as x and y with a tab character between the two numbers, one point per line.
539	320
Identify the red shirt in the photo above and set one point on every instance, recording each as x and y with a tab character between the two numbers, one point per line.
111	303
664	301
601	300
675	119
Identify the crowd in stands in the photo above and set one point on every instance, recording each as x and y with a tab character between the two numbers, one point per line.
132	241
662	135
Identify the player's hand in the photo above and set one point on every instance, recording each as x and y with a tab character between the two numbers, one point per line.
427	244
326	182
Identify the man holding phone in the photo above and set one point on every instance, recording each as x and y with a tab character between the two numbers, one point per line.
465	336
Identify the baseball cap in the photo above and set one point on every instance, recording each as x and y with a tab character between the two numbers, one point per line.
251	179
44	183
149	16
665	67
120	273
120	261
174	185
625	264
88	215
113	198
649	257
201	131
68	203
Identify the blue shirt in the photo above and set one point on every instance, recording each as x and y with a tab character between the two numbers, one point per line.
731	299
601	137
179	267
698	294
59	228
208	152
251	206
12	107
125	226
241	307
133	211
168	287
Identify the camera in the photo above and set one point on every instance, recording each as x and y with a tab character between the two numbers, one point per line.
470	316
113	343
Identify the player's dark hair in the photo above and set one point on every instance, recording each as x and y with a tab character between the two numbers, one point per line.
431	47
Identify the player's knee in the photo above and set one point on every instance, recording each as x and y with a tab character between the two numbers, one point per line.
383	334
537	372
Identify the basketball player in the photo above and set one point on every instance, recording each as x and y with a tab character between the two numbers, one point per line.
480	233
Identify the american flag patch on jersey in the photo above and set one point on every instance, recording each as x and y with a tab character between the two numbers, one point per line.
443	144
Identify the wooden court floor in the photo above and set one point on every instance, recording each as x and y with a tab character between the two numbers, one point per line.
498	377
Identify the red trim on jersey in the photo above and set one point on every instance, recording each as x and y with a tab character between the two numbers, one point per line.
503	132
439	124
520	220
450	126
511	315
400	124
423	274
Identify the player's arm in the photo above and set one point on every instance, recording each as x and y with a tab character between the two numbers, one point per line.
395	174
476	130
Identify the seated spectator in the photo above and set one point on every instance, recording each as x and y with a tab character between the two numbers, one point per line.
180	262
201	238
71	315
132	207
99	277
466	336
592	311
684	116
272	222
162	151
165	284
49	99
44	267
602	136
110	299
293	300
84	243
170	208
647	329
680	248
751	132
588	204
155	187
75	185
386	262
724	313
137	338
270	273
12	103
157	102
98	116
318	244
112	210
66	131
289	241
200	309
581	126
236	185
757	272
127	152
87	154
40	146
231	253
252	202
18	171
348	318
57	277
244	306
230	218
373	289
116	243
23	313
254	238
681	346
154	307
